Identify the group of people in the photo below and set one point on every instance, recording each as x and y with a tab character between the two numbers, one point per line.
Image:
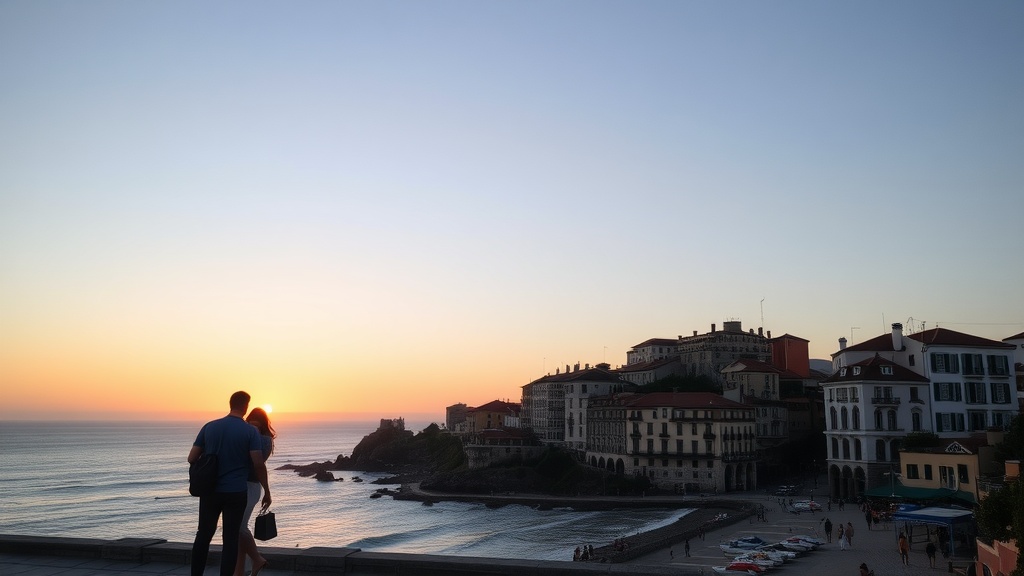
844	534
242	444
583	554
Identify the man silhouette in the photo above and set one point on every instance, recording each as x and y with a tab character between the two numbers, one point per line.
239	449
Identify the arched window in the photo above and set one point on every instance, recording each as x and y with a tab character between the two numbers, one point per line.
915	417
878	419
892	419
835	419
835	448
845	419
857	454
894	450
846	449
856	418
880	450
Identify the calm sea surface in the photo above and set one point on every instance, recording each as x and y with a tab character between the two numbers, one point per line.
116	480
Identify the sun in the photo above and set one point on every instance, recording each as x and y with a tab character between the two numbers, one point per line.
268	408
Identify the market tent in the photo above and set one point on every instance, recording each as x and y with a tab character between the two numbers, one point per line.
950	518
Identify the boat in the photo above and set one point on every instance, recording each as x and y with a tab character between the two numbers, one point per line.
726	571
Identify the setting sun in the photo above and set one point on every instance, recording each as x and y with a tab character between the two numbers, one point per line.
268	408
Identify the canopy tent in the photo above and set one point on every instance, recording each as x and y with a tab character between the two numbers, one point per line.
949	518
898	491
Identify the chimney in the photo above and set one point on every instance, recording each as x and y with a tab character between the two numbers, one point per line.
769	334
712	328
694	332
897	336
842	343
587	366
760	331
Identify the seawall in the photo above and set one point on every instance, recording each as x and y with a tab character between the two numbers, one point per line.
352	561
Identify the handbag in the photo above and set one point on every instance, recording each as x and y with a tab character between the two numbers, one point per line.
202	475
266	526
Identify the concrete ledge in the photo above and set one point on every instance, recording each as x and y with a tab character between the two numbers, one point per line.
319	559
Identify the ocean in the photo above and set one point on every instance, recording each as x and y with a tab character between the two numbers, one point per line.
118	480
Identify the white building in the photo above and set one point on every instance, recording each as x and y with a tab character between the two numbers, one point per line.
937	380
653	349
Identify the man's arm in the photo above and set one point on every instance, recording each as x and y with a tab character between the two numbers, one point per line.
260	466
194	454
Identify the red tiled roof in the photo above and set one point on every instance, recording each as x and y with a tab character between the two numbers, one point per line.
789	337
947	337
751	365
498	406
881	343
649	365
683	400
657	342
871	369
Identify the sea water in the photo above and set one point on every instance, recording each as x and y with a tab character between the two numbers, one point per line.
119	480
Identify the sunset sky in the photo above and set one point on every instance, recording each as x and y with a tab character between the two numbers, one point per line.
378	209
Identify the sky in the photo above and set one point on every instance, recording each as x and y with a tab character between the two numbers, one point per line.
380	209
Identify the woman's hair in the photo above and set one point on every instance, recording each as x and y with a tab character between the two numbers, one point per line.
258	418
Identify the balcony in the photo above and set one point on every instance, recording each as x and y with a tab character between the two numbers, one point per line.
885	401
739	457
709	435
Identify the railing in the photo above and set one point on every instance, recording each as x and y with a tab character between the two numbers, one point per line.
886	400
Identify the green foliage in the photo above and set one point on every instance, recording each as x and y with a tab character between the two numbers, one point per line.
1000	516
920	440
1012	446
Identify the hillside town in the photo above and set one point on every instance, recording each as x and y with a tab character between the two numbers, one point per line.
902	416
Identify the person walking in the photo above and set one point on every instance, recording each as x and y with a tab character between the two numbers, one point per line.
246	544
904	547
868	518
238	447
828	529
849	534
841	535
930	551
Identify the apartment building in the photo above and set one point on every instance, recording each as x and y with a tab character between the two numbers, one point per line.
937	380
707	354
683	441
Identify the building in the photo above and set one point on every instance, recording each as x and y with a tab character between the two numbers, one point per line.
1017	341
494	415
642	373
957	465
653	349
871	405
580	386
707	354
455	415
937	380
684	441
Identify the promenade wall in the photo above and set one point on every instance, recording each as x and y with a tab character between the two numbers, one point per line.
351	561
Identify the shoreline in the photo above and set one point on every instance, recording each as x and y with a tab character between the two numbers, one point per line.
708	514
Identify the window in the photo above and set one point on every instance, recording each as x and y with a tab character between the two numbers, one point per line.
1000	393
856	449
927	471
915	417
856	418
976	393
977	419
693	429
856	370
891	419
583	388
845	419
972	364
842	371
962	474
835	448
846	449
910	359
650	427
945	363
947	422
998	365
913	394
880	450
835	418
886	370
650	445
878	419
946	477
693	446
853	395
841	395
947	392
912	472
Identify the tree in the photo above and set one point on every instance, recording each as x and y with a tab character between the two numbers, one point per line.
1000	516
1012	446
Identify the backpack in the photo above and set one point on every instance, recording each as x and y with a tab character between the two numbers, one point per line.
202	475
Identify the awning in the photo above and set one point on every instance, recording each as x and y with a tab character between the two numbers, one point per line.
897	491
948	517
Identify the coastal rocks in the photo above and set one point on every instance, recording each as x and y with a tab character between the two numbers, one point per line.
325	476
